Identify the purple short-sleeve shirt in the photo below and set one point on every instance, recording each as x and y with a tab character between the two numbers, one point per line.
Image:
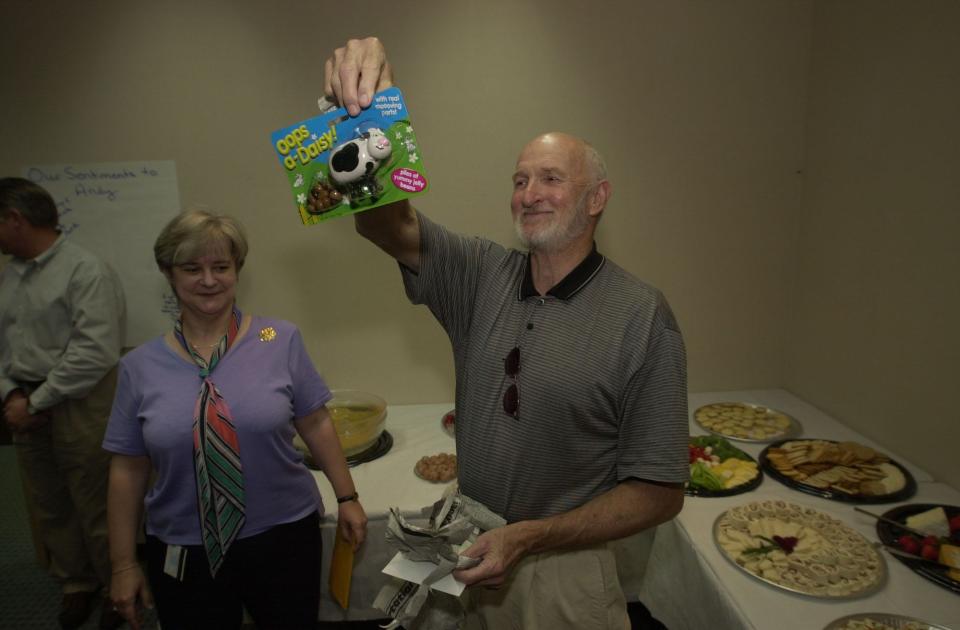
266	381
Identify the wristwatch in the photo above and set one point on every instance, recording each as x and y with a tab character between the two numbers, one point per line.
349	497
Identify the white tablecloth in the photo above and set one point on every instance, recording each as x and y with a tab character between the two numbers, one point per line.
690	584
687	583
384	483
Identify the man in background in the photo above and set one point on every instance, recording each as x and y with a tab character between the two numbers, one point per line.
571	379
62	322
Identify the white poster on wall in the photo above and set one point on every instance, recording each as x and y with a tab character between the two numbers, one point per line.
116	210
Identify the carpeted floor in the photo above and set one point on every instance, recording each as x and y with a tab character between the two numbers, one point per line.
29	599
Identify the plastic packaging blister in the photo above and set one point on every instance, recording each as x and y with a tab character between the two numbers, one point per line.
337	164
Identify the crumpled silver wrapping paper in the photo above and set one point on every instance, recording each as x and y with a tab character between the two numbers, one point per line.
455	522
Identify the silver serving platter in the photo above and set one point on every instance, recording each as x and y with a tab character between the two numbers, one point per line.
894	621
877	584
794	429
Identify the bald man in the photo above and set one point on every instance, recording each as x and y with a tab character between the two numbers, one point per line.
570	378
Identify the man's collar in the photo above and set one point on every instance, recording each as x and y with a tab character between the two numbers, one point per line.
581	275
47	254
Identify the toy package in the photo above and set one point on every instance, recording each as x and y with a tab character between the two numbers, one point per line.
338	165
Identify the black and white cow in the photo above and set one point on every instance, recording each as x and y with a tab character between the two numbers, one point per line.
356	160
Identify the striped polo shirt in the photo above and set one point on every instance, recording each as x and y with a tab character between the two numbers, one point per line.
602	377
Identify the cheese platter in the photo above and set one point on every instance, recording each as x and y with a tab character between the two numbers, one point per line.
841	471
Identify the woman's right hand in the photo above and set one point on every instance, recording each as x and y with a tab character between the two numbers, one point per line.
130	594
352	522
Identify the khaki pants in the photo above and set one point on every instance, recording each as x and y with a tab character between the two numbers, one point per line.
576	589
64	472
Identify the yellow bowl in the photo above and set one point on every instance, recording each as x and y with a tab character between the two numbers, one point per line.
359	418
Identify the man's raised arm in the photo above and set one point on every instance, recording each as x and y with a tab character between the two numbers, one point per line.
394	228
351	77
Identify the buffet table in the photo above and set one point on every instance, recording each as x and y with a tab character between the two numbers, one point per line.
689	583
384	483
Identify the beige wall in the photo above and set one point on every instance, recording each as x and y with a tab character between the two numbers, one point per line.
698	107
832	273
874	335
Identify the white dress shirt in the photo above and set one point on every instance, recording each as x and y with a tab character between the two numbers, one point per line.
62	323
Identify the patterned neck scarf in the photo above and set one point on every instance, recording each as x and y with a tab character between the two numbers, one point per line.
216	454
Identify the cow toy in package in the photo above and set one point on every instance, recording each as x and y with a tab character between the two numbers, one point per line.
337	164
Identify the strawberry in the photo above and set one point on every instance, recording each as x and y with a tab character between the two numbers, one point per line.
932	541
930	552
909	544
955	523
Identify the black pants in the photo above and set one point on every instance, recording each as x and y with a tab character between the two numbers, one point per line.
275	575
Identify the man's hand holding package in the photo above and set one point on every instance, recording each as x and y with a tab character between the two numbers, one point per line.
500	549
356	72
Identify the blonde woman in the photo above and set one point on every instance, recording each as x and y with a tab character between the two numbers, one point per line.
212	406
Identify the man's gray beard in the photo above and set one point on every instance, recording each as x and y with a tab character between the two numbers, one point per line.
556	237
